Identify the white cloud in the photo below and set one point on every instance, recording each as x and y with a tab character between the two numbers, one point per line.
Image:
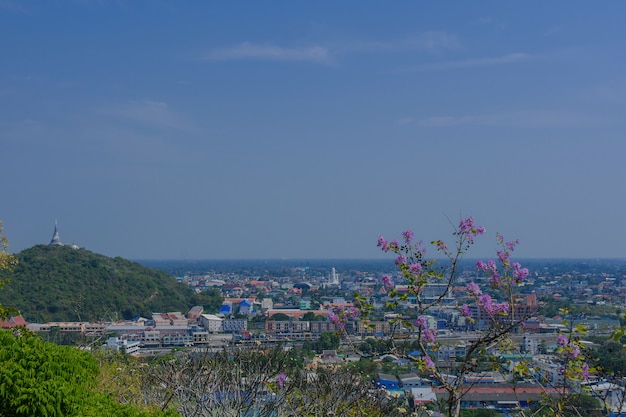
468	63
428	41
520	119
248	50
148	112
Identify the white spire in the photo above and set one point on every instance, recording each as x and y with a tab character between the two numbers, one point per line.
56	240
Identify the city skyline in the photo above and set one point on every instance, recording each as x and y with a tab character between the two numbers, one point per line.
295	130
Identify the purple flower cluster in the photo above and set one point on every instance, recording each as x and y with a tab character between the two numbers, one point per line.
387	281
383	244
400	260
469	229
427	363
408	236
511	272
280	380
490	308
491	269
387	246
334	319
339	316
422	325
572	349
519	273
473	289
351	313
415	268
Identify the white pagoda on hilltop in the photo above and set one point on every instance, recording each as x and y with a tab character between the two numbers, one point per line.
56	240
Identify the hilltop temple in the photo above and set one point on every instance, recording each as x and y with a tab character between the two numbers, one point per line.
56	239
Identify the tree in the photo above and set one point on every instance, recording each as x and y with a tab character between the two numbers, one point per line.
494	318
7	262
39	378
211	299
44	379
280	317
311	316
261	383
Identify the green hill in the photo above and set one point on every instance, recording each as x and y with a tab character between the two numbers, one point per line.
58	283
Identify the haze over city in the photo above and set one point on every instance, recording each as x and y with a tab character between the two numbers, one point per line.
166	130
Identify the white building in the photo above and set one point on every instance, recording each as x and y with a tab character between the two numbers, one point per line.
211	323
126	346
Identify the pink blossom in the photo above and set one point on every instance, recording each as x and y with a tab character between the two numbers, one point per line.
400	260
495	281
422	322
280	380
415	267
465	310
469	229
334	319
473	289
486	303
351	313
511	245
504	258
585	371
519	273
408	236
387	281
501	307
383	244
429	365
574	351
561	340
429	336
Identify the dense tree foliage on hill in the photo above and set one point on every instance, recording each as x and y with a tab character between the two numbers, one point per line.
58	283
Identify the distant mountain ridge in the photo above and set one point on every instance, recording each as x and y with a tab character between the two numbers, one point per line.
60	283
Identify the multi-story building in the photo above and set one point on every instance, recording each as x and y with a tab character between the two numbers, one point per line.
234	325
212	323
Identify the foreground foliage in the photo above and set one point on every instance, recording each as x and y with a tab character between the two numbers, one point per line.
42	379
264	383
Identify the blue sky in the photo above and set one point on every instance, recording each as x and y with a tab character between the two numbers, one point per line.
160	129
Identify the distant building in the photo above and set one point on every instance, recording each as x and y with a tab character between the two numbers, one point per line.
16	321
125	346
234	325
195	312
56	239
169	319
211	323
245	307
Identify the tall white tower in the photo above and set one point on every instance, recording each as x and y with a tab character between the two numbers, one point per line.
334	278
